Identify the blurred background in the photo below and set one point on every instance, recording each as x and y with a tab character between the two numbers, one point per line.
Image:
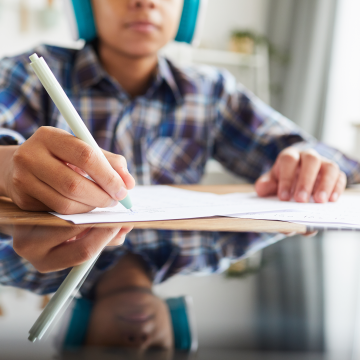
303	58
300	56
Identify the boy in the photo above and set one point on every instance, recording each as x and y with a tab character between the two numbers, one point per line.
165	121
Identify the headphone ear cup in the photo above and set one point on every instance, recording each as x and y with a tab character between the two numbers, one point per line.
191	21
81	17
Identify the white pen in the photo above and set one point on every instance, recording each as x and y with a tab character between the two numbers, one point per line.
71	116
67	109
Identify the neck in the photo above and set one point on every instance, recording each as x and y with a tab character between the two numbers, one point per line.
132	73
128	272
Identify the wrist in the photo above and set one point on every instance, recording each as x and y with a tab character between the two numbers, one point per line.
6	156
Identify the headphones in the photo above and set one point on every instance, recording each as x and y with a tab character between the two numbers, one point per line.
181	313
82	24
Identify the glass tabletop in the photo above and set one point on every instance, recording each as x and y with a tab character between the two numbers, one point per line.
165	294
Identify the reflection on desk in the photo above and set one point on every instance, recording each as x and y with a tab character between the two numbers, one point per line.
117	306
161	290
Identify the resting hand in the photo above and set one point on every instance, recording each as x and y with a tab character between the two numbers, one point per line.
301	174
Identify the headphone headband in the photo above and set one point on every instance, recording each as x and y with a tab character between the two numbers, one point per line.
181	313
82	25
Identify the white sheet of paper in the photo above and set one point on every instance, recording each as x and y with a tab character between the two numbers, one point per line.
345	211
152	203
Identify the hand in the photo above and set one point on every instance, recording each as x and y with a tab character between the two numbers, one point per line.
300	175
56	248
39	174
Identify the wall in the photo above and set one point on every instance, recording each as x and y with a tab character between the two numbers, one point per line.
13	41
221	18
343	105
224	16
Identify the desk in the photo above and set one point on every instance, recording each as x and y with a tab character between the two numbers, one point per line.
11	214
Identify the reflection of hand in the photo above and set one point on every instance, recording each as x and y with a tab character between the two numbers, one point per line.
57	248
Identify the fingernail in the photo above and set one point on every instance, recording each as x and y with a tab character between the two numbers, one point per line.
323	196
303	196
114	203
334	196
265	178
285	195
121	194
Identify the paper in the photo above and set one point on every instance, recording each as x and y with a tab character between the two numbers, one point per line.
343	213
152	203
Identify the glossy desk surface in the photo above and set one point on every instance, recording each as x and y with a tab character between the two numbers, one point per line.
254	291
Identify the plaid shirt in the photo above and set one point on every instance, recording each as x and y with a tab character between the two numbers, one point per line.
165	253
186	116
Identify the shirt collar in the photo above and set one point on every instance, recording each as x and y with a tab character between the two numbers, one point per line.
165	74
87	69
88	72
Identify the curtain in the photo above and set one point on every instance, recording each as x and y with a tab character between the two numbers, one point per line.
301	32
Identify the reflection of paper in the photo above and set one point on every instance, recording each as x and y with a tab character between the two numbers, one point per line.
162	203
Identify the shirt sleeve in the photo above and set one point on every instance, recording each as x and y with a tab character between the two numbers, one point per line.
249	135
20	101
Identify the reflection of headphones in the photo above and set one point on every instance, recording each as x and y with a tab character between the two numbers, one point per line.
182	318
80	15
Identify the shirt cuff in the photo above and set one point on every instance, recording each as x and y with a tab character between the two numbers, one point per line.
10	137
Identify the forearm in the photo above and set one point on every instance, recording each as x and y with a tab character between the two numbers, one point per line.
6	155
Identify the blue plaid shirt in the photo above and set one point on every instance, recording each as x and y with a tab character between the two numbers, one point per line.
186	116
165	253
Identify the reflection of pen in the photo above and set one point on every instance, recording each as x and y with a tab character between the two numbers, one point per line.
67	109
59	300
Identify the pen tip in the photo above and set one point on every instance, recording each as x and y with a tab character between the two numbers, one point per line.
131	210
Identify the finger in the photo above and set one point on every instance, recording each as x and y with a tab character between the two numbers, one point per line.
310	163
288	163
120	237
72	150
71	185
310	234
49	197
76	169
327	179
76	252
27	202
119	164
266	185
339	187
33	242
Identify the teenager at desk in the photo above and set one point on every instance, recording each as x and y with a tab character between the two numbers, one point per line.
156	121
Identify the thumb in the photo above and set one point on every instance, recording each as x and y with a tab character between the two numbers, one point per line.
266	184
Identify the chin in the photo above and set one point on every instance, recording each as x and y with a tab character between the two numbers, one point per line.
138	47
142	51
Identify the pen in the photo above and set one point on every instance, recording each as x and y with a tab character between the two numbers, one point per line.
67	109
78	273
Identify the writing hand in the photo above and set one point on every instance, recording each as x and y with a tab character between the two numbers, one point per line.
39	174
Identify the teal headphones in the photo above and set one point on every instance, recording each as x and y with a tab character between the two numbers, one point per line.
182	319
80	15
